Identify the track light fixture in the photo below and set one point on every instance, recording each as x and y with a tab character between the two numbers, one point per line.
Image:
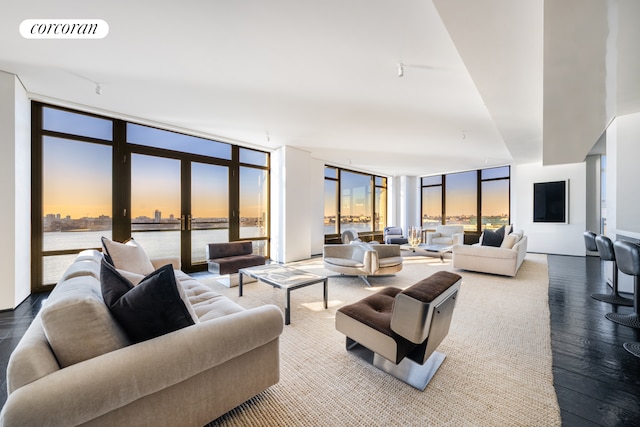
402	66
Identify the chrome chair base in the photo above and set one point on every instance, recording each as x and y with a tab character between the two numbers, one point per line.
633	348
631	320
408	371
614	299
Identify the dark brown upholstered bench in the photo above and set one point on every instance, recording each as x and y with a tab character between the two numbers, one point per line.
228	258
399	330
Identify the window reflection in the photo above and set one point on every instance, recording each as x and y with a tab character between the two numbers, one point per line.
254	190
355	208
155	204
461	199
209	207
495	204
431	206
330	206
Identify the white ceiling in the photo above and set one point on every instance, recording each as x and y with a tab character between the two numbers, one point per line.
318	75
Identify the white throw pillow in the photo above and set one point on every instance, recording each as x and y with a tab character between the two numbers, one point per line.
128	256
77	323
518	233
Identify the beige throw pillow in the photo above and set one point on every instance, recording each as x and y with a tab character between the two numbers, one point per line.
509	241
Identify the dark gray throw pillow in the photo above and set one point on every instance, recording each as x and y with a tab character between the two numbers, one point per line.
149	309
493	238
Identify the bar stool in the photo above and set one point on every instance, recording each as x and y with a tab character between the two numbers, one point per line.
604	246
633	348
590	241
628	259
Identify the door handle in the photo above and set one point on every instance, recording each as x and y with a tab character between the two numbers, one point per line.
185	223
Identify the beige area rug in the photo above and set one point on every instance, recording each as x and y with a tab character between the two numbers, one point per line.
497	370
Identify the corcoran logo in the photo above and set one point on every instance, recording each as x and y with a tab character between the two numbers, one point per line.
64	29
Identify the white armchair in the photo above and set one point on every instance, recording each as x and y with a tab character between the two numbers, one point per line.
446	235
362	259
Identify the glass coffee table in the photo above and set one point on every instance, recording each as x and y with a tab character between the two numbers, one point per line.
283	277
425	249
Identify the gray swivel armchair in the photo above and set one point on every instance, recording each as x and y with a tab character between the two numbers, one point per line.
362	259
394	235
349	235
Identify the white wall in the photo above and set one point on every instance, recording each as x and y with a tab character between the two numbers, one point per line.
562	239
15	187
622	186
593	193
625	171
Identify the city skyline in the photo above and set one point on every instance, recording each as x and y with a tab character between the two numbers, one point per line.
77	176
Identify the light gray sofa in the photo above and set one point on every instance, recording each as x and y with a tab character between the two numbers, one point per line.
75	366
504	260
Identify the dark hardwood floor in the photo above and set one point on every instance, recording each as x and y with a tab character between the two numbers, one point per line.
596	380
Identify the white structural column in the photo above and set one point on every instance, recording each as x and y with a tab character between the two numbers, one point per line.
409	202
293	218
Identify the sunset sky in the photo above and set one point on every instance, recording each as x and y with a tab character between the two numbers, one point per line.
77	182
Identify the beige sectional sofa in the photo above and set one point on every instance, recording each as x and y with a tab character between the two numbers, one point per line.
504	260
76	366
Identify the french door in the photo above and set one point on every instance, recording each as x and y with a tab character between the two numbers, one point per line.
178	206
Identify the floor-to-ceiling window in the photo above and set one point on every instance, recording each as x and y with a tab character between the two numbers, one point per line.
331	189
380	203
96	176
431	201
254	198
461	200
356	209
463	197
75	192
494	197
354	200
